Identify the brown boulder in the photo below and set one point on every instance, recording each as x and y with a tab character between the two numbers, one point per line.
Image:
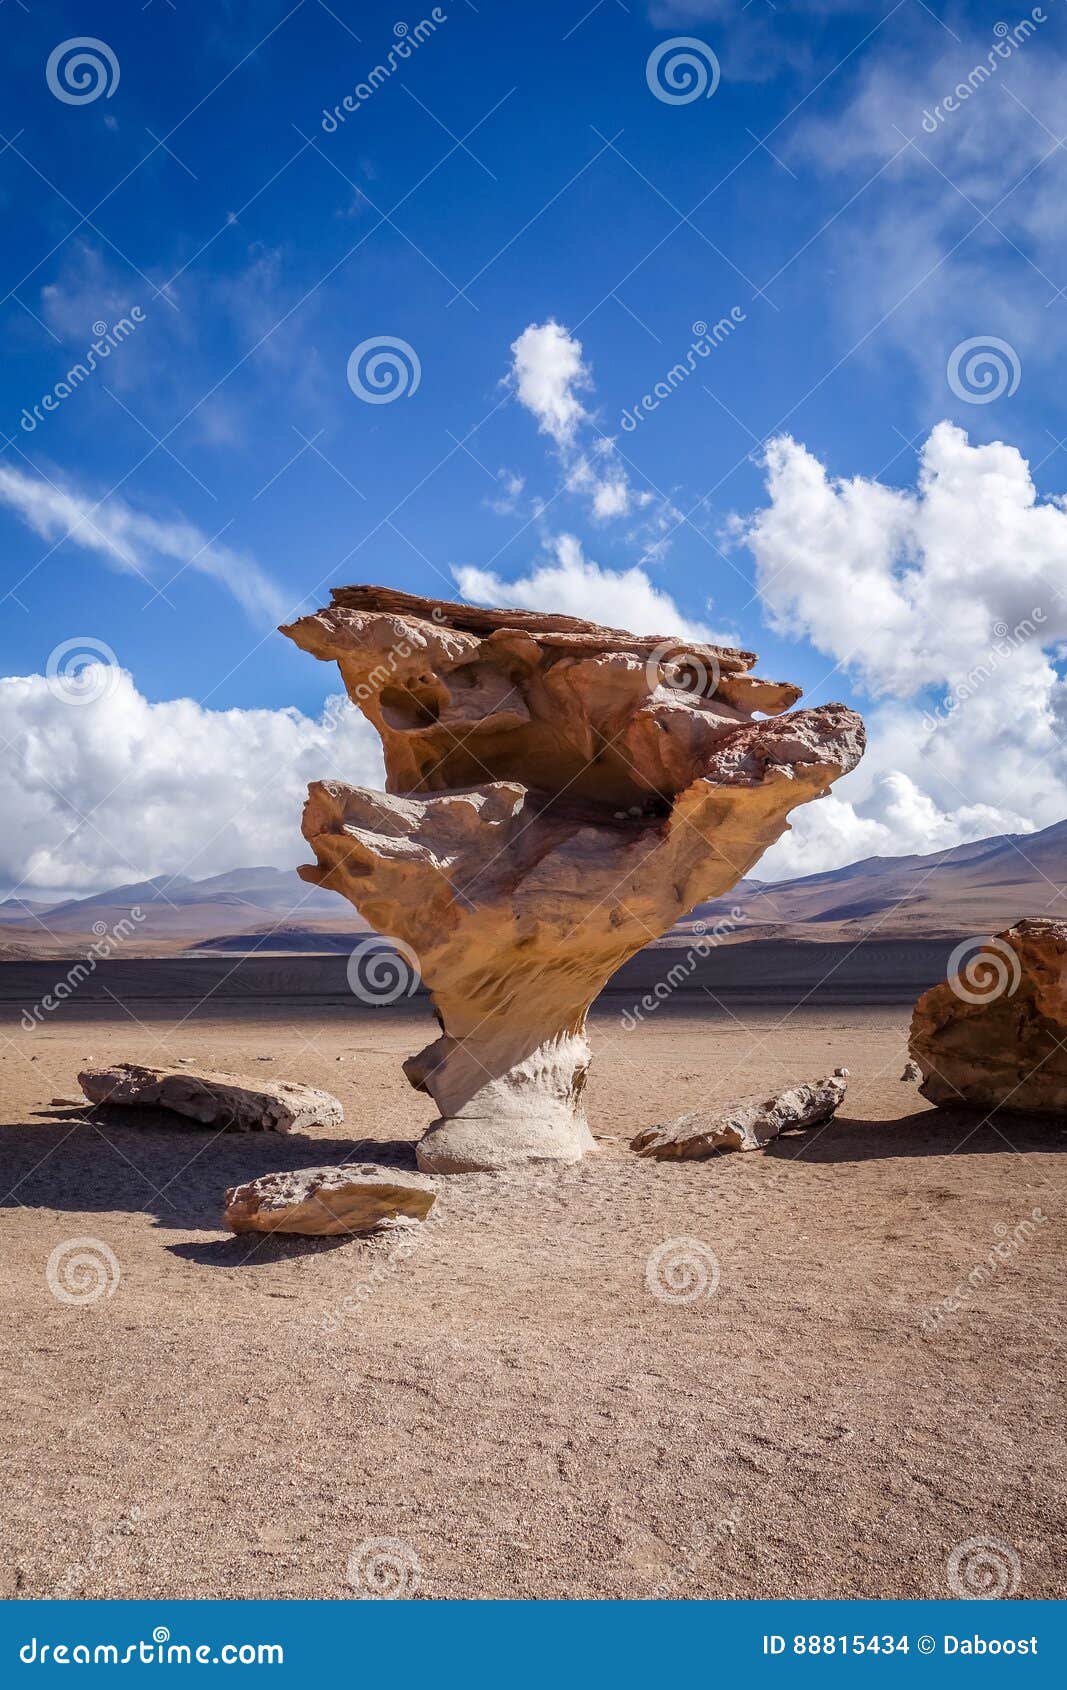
992	1035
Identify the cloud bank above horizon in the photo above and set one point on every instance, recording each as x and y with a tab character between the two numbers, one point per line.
939	603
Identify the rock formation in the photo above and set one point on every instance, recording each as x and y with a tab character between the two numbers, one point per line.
224	1101
992	1036
558	794
746	1125
324	1202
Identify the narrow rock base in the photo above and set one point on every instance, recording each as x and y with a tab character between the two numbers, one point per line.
469	1145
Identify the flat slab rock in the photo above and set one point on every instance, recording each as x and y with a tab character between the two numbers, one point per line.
748	1124
324	1202
225	1101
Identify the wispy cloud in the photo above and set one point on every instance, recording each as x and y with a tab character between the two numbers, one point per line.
131	540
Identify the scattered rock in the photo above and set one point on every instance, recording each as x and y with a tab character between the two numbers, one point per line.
225	1101
992	1036
912	1071
324	1202
748	1124
67	1103
559	793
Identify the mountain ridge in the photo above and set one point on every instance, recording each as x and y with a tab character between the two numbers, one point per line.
978	887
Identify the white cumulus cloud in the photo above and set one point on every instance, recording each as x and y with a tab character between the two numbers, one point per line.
574	585
945	605
548	372
99	793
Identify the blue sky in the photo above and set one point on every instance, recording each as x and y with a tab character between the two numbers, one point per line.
517	169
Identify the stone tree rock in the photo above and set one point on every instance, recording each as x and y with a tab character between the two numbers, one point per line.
558	795
992	1036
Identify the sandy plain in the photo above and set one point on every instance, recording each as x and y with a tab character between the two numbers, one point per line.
514	1404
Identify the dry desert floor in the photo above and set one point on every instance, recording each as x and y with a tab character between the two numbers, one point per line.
517	1401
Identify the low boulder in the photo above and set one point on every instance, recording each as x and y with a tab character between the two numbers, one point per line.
748	1124
226	1102
325	1202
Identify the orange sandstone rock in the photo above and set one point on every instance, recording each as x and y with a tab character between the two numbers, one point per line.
992	1036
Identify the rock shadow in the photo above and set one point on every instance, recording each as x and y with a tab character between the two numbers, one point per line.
259	1249
97	1161
927	1132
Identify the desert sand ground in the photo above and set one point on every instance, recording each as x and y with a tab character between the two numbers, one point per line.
509	1400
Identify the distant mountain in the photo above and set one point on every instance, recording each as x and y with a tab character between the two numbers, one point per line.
971	889
176	906
976	888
